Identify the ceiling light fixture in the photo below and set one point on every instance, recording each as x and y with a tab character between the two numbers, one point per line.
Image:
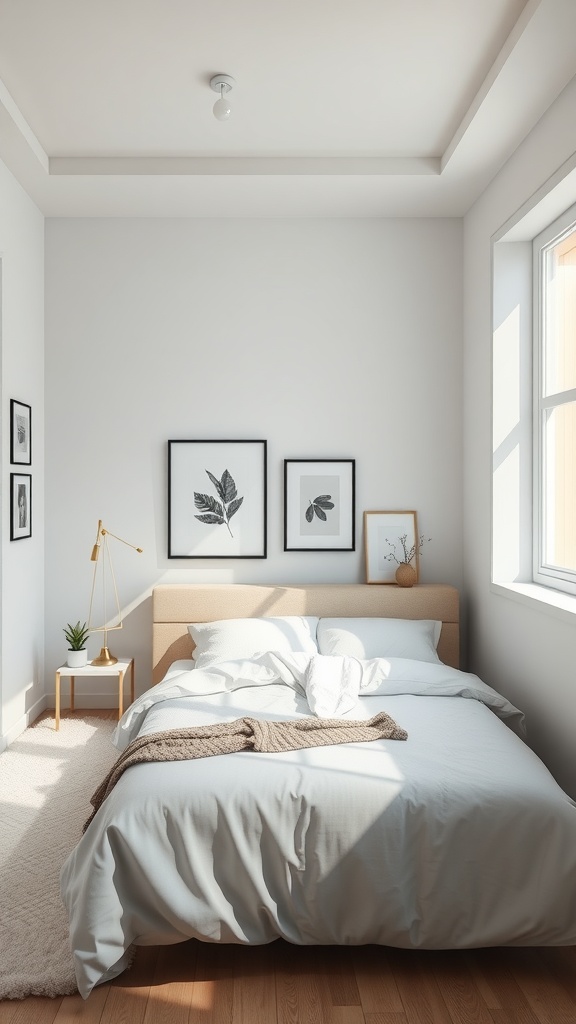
222	84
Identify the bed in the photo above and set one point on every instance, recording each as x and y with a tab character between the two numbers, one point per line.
447	831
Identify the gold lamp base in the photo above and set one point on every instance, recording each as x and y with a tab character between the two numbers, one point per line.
104	658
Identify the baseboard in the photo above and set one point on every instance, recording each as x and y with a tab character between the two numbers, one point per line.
27	719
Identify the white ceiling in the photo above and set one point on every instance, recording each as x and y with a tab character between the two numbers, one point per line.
354	108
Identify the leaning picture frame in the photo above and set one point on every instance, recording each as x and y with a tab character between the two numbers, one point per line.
20	506
387	537
20	433
319	504
217	501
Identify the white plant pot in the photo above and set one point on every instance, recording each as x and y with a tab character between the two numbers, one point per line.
77	659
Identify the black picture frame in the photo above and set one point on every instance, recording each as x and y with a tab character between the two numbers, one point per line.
325	525
20	506
20	433
217	499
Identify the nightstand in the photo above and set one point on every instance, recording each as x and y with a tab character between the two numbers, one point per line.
122	666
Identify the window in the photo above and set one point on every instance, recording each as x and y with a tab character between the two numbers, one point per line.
534	399
554	474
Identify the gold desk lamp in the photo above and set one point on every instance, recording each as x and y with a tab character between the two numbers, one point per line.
105	658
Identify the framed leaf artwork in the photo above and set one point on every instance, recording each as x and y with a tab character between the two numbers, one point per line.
319	504
20	433
217	505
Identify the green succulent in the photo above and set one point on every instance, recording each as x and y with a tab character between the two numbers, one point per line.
76	636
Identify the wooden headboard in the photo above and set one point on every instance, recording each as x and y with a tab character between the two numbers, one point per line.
174	606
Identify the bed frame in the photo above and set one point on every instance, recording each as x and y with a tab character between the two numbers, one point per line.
174	606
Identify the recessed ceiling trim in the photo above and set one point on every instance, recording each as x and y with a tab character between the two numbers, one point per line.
490	79
14	119
154	178
534	65
243	165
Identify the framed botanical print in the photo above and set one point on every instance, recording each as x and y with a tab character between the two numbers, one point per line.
217	506
20	433
20	506
319	504
390	540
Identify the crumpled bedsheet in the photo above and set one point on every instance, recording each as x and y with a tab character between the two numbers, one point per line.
458	837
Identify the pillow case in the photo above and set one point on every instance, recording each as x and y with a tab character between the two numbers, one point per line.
367	638
230	639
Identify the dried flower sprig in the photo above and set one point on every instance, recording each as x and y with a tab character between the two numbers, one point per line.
407	553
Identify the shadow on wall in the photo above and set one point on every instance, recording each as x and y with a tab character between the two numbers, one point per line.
135	640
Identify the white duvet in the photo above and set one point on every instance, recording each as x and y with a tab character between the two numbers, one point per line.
457	837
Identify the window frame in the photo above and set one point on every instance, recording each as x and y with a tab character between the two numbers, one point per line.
547	575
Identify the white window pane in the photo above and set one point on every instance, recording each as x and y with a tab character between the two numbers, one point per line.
560	316
559	488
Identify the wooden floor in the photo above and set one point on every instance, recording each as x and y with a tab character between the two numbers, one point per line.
202	983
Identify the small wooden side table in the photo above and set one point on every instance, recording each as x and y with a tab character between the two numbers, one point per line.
122	666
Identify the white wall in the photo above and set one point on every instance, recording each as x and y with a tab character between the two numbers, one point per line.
326	338
22	362
526	651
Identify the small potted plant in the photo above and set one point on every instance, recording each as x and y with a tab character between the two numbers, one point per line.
76	636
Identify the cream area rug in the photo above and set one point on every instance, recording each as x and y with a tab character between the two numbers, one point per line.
46	781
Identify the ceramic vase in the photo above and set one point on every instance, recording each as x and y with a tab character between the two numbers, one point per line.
405	575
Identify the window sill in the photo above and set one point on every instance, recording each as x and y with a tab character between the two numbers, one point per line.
546	599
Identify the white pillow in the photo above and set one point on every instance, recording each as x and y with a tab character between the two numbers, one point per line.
230	639
367	638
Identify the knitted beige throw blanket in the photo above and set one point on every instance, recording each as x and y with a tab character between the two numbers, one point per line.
244	734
